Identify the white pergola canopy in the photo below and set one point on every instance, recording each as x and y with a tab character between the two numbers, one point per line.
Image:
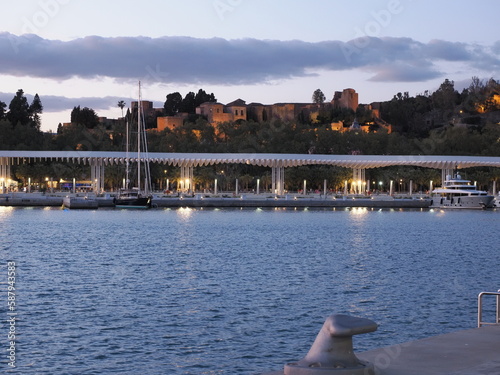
264	160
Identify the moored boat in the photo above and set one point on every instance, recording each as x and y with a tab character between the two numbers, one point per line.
132	198
137	197
459	193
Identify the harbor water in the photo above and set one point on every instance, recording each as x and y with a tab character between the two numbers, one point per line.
232	291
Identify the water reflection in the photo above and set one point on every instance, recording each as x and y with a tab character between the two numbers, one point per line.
5	212
185	213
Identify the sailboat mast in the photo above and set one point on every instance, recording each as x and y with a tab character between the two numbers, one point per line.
139	139
127	169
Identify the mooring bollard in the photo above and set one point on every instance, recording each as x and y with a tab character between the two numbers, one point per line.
332	352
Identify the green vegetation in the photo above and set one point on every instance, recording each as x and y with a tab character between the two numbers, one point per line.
418	116
318	97
175	103
20	125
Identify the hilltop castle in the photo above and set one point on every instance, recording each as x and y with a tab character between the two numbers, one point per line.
218	113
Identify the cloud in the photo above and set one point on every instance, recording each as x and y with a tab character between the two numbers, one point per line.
496	48
189	60
403	72
448	51
54	103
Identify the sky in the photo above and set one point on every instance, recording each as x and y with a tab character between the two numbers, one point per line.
92	53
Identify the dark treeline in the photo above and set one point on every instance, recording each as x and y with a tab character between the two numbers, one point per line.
20	124
417	116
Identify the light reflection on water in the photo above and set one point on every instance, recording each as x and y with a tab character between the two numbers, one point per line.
235	291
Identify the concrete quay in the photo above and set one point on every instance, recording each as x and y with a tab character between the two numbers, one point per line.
31	200
269	201
221	201
49	199
468	352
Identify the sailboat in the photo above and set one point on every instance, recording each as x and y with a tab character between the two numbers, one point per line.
140	196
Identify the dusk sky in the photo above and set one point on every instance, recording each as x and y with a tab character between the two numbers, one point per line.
92	53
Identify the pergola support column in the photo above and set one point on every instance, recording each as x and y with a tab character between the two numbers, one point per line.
5	163
358	180
97	175
187	175
278	179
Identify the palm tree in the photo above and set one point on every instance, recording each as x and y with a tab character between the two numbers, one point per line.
246	179
121	104
266	180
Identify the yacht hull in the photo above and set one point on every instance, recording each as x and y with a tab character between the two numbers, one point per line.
139	203
472	202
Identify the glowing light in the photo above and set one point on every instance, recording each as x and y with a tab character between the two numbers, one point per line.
185	212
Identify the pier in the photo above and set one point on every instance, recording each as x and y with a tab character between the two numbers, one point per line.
466	352
219	201
99	160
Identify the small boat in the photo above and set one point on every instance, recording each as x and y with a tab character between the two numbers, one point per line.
459	193
132	198
137	197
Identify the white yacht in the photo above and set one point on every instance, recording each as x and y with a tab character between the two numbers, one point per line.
497	201
459	193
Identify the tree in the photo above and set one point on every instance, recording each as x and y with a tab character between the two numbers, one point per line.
476	87
202	97
85	116
121	105
445	98
172	104
35	109
175	103
188	104
19	110
318	97
2	110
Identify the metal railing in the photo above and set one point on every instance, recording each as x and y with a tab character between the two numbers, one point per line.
480	321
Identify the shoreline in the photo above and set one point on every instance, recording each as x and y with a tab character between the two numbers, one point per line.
220	201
